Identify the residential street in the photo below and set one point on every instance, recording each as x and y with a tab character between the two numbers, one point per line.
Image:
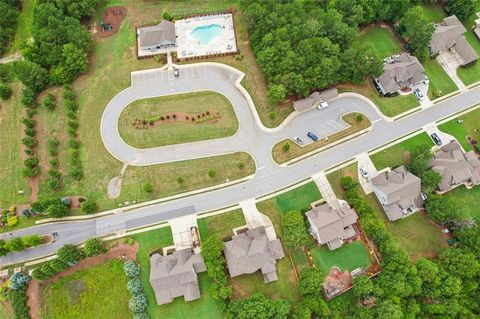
251	138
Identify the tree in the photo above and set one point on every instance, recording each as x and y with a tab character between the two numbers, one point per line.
57	211
443	210
311	281
49	102
362	287
212	172
418	30
135	286
419	159
166	15
138	303
8	22
88	207
93	246
19	280
130	268
294	231
15	244
147	187
259	306
461	8
74	62
286	146
276	93
430	181
387	309
5	92
70	254
459	263
32	240
31	75
359	61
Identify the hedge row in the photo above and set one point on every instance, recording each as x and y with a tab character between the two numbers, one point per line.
19	243
139	302
75	170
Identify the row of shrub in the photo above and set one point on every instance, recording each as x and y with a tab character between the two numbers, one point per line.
53	207
139	302
75	170
30	141
6	76
54	177
19	243
16	293
68	256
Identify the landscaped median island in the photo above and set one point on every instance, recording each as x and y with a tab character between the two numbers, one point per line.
177	119
282	153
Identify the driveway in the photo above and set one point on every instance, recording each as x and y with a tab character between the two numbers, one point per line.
267	180
450	63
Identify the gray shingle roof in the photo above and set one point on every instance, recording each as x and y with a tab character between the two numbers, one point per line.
251	251
455	167
314	99
332	224
402	73
402	189
175	275
449	35
158	35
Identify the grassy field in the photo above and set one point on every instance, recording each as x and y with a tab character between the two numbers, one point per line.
468	199
6	313
416	234
348	257
390	106
395	155
220	226
382	39
280	156
179	131
433	12
471	74
439	80
24	26
299	198
97	292
10	161
285	287
471	122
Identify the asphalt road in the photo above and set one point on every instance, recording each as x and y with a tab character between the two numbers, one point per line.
269	176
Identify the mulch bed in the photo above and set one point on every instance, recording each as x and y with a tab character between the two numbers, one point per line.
113	16
209	117
34	288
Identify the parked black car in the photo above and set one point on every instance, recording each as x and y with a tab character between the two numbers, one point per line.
312	136
436	139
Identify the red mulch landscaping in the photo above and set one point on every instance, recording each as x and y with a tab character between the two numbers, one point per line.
113	16
34	288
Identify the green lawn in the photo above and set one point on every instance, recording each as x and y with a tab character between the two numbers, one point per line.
205	307
440	83
348	257
24	26
224	122
295	151
299	198
416	234
6	312
395	155
471	74
468	199
471	122
382	39
433	12
220	226
285	287
97	292
390	106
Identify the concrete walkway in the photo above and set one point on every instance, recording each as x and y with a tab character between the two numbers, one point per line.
326	189
450	63
256	219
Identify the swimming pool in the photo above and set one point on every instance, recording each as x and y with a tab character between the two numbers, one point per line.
205	33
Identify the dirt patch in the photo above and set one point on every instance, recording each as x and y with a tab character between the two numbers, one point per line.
34	288
75	289
209	117
76	201
112	19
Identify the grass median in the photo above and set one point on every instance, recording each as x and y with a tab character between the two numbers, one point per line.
282	153
168	120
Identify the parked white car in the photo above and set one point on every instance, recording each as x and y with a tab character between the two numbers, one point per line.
322	105
364	172
418	94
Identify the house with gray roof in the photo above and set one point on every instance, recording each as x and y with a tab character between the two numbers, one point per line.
175	275
399	73
314	100
157	37
399	192
448	36
332	226
251	251
455	167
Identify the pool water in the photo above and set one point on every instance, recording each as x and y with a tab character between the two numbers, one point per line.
206	33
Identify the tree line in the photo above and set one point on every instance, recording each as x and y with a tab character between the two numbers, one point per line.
8	22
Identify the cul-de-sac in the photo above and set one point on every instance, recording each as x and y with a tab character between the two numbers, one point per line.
239	159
